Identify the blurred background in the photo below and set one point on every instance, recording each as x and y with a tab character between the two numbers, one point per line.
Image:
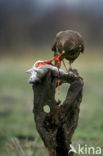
27	30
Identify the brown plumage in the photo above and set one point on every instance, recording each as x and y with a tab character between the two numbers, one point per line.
69	43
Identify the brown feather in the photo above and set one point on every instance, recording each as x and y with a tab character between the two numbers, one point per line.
69	41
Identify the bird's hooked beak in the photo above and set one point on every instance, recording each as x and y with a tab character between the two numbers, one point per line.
63	53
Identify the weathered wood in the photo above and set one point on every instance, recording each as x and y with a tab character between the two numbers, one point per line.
56	128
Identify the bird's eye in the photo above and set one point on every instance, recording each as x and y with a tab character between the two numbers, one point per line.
63	51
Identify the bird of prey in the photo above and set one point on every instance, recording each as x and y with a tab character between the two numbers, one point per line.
69	43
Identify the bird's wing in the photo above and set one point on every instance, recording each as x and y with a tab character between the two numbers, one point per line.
82	48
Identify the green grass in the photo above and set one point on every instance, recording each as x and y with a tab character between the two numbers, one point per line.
16	103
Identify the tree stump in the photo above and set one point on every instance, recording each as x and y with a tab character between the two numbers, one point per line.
56	128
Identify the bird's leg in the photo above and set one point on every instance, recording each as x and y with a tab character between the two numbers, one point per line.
58	83
70	67
65	66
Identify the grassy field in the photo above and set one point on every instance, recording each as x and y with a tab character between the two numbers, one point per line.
16	103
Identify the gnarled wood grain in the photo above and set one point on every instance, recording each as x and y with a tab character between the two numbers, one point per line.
56	128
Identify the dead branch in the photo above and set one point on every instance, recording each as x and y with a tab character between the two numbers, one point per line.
56	128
